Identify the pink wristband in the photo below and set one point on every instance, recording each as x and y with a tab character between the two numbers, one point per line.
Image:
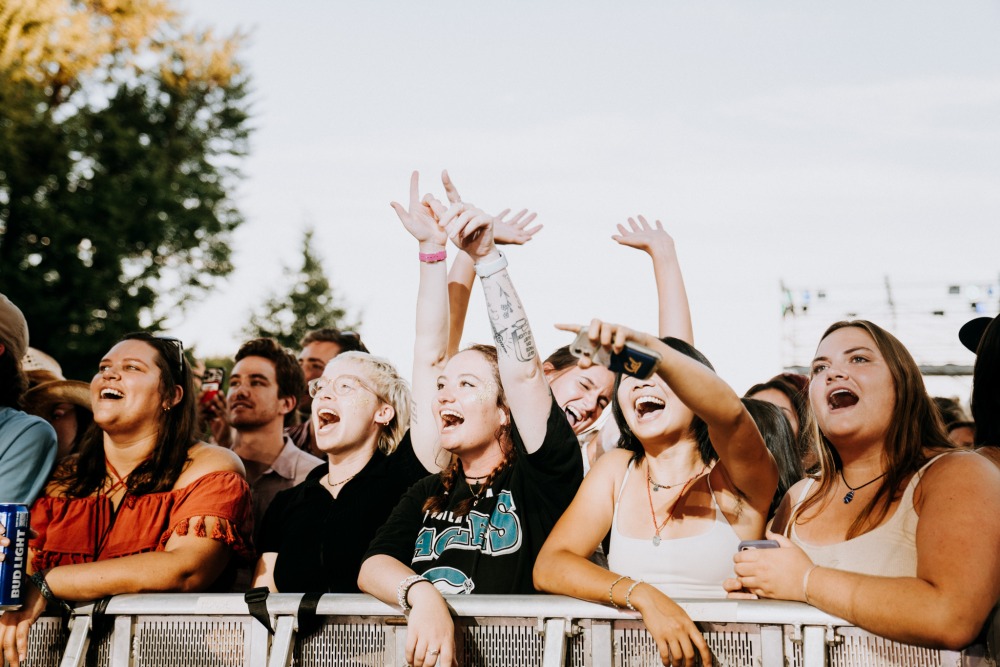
431	257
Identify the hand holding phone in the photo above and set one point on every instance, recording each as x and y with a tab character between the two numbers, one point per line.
746	545
211	383
634	359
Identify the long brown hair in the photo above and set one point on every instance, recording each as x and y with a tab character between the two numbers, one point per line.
915	432
86	473
450	475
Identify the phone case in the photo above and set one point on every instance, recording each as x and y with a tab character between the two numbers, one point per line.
634	360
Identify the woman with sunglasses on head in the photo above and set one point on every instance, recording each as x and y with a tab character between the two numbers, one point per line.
143	506
315	534
477	526
898	534
691	478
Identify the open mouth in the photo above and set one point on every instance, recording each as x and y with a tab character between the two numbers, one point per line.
326	417
112	394
573	415
841	398
648	407
450	419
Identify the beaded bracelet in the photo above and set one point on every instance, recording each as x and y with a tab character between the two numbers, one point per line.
404	588
628	594
611	592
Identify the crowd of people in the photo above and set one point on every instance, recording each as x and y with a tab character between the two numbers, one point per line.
495	470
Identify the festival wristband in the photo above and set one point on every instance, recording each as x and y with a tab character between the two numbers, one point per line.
487	269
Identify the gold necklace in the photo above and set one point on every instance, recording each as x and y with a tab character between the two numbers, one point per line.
673	507
334	485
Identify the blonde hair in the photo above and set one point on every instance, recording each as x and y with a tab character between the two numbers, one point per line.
391	389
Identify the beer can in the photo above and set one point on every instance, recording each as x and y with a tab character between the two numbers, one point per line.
14	521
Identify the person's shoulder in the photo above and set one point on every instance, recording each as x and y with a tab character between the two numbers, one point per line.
206	459
22	424
959	466
613	462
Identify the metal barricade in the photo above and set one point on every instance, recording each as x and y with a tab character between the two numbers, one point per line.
192	630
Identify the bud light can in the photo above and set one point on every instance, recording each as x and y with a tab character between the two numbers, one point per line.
14	520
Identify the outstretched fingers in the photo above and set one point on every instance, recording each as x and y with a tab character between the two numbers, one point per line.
449	188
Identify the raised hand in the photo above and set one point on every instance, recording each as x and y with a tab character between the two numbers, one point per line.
470	229
420	219
514	231
645	237
506	232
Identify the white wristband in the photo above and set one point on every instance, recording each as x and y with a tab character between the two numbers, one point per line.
487	269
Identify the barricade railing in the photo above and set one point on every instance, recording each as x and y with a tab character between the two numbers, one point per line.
213	630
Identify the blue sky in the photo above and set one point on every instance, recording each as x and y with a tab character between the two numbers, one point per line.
812	142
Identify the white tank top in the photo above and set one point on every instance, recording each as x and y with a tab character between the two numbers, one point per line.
889	550
683	567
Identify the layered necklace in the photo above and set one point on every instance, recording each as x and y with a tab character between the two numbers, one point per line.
849	496
652	486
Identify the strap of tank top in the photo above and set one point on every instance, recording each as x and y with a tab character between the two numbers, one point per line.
795	508
911	486
618	498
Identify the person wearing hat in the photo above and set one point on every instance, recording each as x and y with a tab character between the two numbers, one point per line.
27	442
63	403
982	336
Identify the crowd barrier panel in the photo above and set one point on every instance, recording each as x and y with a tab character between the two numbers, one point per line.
216	630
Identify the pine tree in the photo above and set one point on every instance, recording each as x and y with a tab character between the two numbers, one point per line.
310	304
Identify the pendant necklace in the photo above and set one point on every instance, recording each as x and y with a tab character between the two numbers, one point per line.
849	496
673	507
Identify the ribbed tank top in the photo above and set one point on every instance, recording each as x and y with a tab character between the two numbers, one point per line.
683	567
889	550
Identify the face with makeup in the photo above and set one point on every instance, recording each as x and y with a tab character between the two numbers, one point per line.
347	411
466	404
126	392
852	389
652	410
582	393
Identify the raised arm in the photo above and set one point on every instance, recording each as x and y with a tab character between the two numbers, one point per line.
734	435
462	274
430	348
520	366
675	313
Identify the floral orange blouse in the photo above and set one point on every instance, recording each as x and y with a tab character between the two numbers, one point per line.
82	530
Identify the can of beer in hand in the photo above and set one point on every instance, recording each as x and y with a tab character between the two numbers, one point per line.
14	521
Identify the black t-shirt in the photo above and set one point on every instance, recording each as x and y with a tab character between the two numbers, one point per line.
319	539
493	548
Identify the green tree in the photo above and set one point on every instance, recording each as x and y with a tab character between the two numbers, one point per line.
115	178
310	304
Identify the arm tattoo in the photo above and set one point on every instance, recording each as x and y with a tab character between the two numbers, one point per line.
504	305
524	342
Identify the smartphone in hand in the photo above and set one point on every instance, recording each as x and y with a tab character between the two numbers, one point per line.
634	359
746	545
211	383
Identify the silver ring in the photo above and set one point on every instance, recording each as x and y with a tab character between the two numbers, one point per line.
434	652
